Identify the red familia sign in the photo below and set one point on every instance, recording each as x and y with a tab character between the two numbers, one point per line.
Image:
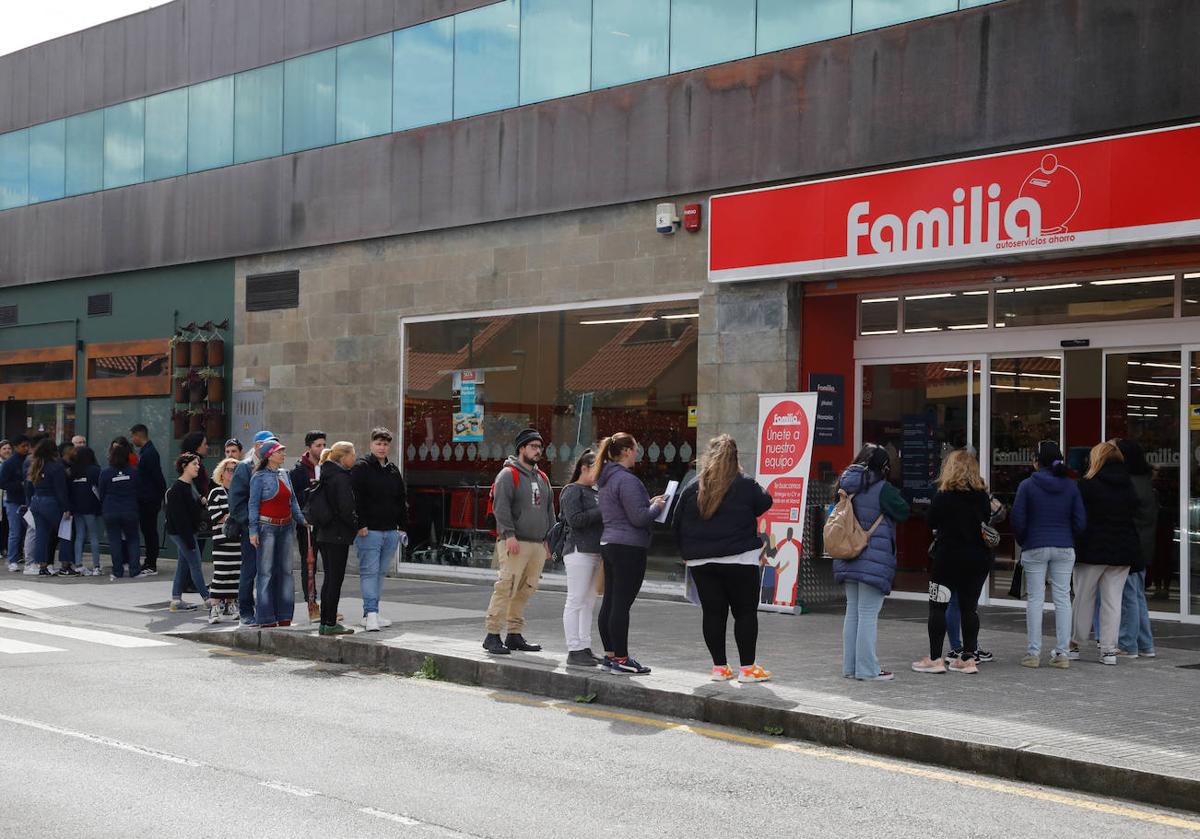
1114	190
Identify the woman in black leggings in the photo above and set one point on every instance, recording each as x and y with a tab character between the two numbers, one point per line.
336	535
628	513
961	559
716	525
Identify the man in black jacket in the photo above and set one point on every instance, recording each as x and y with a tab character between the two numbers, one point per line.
12	482
304	475
382	503
152	486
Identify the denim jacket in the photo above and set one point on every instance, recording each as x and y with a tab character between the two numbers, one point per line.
264	486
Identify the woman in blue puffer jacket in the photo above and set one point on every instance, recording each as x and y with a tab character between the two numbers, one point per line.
868	579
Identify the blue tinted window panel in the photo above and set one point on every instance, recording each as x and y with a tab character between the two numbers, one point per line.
124	144
707	32
310	101
790	23
167	135
48	161
364	88
487	58
423	74
210	124
872	14
14	169
967	4
630	41
556	48
85	153
258	114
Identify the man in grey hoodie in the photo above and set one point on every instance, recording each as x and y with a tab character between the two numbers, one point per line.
523	504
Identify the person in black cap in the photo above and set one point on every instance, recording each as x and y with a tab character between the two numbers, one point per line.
523	504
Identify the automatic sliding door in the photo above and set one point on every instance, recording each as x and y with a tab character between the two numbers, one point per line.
1192	463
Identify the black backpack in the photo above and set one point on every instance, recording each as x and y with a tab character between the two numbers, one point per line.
557	538
317	509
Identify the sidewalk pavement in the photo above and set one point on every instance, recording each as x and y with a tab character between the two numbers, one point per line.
1130	731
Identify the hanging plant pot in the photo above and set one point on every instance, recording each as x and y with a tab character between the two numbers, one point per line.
214	426
179	424
195	422
181	390
196	392
183	355
215	353
197	353
216	389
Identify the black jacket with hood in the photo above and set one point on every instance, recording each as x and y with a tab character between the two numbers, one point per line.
1111	502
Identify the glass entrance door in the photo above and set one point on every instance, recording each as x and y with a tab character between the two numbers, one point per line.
1192	465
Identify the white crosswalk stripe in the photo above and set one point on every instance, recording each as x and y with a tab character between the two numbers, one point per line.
12	647
30	599
77	633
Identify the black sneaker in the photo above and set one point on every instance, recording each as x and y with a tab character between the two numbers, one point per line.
983	655
629	667
46	572
494	645
71	572
515	641
580	658
954	655
596	658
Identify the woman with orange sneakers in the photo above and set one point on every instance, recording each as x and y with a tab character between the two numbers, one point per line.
716	525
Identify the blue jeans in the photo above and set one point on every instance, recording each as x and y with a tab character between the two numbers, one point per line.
189	563
1055	563
1135	636
375	552
87	527
863	603
124	542
954	623
46	517
246	579
274	589
16	529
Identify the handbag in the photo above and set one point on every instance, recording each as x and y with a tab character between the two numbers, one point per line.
991	536
1015	589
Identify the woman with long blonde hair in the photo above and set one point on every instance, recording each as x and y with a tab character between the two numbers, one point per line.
716	525
337	533
1108	547
961	559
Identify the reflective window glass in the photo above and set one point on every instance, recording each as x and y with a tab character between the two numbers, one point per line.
556	47
1123	298
258	113
210	124
629	41
789	23
946	310
85	153
966	4
14	169
423	74
309	94
364	88
710	31
124	143
871	14
47	161
1191	295
166	134
486	58
878	315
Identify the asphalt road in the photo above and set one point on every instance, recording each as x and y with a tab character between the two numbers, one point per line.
102	739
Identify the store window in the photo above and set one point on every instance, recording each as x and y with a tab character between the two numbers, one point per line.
47	161
872	14
1191	295
423	74
364	88
166	134
56	419
309	101
556	44
878	315
630	41
14	169
124	144
790	23
258	113
1090	301
486	59
576	376
707	32
128	366
946	310
210	124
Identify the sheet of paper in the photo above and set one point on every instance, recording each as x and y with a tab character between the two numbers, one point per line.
64	529
669	494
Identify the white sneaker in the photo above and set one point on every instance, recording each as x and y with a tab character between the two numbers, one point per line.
372	622
214	613
14	567
149	572
112	578
384	623
32	569
1108	657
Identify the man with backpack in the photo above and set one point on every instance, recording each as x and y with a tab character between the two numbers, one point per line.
523	505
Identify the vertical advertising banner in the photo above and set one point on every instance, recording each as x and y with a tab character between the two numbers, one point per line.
786	424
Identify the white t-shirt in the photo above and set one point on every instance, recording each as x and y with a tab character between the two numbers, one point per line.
747	558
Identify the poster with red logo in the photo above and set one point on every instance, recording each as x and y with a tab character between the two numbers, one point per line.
786	423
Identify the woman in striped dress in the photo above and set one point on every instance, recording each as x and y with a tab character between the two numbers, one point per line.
227	553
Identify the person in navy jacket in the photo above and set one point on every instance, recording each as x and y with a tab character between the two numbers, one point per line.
12	483
152	488
119	487
84	494
46	489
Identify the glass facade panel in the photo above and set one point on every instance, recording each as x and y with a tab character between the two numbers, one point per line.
576	376
872	14
487	58
166	135
14	169
423	74
37	371
556	48
1193	466
364	88
1128	298
946	310
1191	295
210	124
789	23
967	4
56	419
85	153
48	161
710	31
258	114
128	366
124	143
630	41
309	101
878	315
